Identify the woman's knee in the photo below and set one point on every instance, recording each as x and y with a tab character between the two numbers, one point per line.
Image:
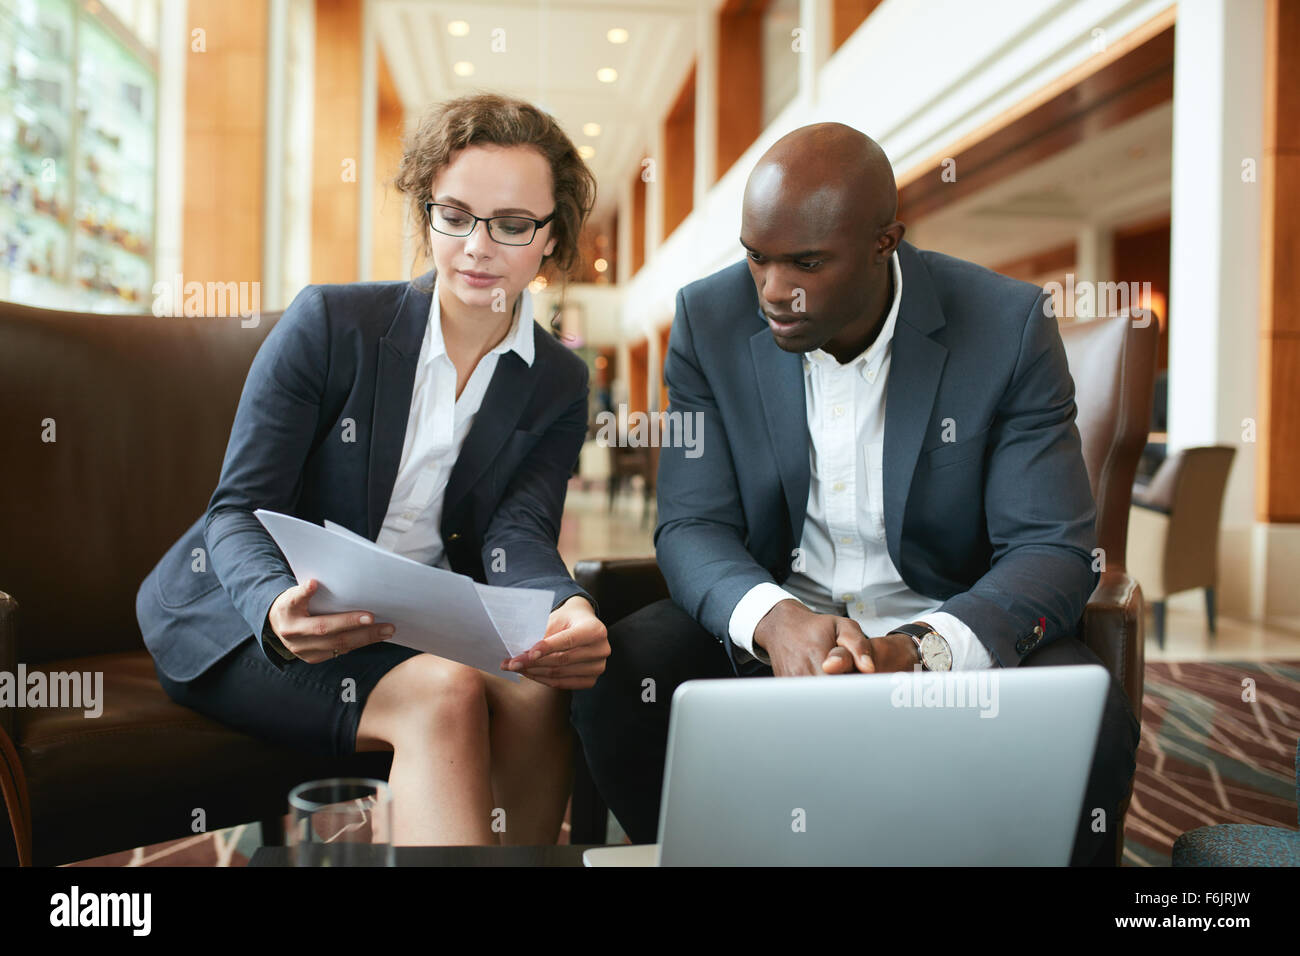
426	695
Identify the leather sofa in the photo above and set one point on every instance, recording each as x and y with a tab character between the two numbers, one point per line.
139	409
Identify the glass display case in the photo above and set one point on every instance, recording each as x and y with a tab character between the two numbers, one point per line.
78	135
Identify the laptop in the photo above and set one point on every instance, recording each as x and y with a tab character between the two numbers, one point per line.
969	768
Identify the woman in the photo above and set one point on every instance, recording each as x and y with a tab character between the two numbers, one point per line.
436	418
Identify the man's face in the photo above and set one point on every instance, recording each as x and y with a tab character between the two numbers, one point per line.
814	262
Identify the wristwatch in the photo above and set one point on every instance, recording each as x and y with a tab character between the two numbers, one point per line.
932	650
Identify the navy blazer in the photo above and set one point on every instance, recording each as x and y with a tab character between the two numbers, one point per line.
998	524
319	433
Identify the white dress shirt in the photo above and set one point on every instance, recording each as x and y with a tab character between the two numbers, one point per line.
846	567
435	431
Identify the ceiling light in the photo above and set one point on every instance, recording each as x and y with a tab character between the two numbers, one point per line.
600	265
616	35
463	68
607	74
586	152
458	28
590	129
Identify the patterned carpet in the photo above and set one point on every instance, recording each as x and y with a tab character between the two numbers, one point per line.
1218	746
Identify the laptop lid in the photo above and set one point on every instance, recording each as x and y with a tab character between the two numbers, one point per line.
967	768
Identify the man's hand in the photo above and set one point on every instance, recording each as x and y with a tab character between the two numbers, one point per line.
871	655
571	655
798	640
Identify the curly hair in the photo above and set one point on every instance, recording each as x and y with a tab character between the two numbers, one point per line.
489	119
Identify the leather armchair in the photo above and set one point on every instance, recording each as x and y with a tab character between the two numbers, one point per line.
1112	362
142	408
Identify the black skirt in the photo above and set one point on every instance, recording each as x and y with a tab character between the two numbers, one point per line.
313	708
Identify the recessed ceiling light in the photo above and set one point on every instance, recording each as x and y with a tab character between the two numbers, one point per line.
586	152
458	28
463	68
607	74
600	265
590	129
616	35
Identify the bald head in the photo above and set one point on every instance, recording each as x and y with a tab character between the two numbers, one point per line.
825	170
819	230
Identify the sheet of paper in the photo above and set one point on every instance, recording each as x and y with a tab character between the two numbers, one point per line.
432	609
519	614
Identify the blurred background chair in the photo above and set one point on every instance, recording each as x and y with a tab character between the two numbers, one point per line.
626	463
1174	522
1241	844
1113	364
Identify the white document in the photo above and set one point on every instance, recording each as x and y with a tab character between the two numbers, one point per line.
514	611
432	609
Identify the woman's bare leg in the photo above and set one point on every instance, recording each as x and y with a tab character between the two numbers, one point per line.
433	714
532	754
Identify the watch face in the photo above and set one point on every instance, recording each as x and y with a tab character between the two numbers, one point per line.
936	653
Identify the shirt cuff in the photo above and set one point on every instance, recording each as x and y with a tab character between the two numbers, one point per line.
968	653
749	610
271	643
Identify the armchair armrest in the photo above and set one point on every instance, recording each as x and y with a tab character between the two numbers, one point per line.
621	585
1113	629
8	654
14	798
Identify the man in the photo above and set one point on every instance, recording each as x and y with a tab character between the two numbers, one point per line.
891	475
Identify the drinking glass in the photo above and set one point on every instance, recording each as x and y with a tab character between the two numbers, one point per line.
343	821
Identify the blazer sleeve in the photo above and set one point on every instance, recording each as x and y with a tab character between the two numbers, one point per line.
525	527
275	424
1038	507
700	537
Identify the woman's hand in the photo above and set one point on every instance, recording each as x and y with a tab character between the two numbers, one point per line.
324	636
571	655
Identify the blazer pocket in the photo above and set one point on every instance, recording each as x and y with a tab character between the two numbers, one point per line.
953	452
184	586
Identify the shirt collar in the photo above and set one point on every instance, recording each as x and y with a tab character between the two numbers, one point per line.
870	357
518	340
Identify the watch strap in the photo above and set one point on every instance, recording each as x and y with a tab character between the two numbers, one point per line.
917	631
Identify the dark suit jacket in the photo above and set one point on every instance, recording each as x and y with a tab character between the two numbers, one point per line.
340	364
997	524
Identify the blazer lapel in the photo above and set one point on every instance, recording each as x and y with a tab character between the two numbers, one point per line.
780	386
507	396
399	351
915	367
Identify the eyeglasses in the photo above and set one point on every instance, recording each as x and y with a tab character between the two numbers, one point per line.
507	230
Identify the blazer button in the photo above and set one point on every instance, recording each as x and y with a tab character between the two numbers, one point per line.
454	536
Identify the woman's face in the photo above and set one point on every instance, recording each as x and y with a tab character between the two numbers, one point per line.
492	181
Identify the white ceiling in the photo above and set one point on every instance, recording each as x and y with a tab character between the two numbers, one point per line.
553	49
1116	178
